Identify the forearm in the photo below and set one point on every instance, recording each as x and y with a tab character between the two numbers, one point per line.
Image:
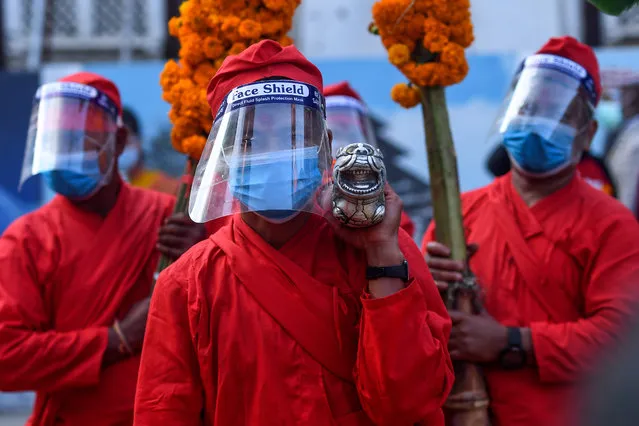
46	361
384	255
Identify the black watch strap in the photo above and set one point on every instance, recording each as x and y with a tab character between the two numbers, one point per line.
397	271
514	338
513	357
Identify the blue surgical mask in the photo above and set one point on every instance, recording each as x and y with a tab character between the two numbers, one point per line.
276	185
75	186
539	146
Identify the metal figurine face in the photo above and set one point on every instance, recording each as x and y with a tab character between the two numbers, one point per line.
359	177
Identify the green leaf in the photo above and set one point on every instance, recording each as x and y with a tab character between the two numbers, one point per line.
613	7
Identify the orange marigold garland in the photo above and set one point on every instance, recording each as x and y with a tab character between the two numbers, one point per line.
209	31
425	39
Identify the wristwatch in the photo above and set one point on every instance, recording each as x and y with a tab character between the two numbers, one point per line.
398	271
513	357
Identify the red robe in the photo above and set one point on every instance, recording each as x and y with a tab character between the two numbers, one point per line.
407	224
594	172
567	268
65	275
240	333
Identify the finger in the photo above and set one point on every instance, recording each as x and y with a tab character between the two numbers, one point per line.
444	264
448	276
391	197
173	241
180	219
441	285
173	253
437	249
457	316
174	229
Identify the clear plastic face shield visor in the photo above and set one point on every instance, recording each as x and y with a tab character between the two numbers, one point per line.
553	98
73	128
268	153
348	120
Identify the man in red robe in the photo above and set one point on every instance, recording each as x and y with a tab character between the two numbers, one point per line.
76	274
285	317
347	118
557	259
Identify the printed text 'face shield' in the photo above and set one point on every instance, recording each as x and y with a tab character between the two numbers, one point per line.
555	91
268	152
348	119
73	128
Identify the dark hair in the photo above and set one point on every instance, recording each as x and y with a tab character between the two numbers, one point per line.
130	120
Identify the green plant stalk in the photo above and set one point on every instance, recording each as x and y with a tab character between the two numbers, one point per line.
468	401
181	206
442	167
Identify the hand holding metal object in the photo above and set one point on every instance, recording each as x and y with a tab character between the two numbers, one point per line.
359	177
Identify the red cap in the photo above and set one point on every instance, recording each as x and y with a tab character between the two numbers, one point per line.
96	81
265	59
569	48
341	89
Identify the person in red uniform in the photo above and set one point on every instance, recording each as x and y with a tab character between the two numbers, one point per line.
75	274
557	259
347	118
284	316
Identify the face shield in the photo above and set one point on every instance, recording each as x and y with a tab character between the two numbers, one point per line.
71	139
348	119
268	153
549	105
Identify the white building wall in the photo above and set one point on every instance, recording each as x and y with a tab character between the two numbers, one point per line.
338	29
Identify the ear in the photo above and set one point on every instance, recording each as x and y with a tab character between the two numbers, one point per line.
122	136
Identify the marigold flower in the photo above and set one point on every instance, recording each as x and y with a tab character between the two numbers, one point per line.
237	48
170	75
398	54
405	95
203	74
213	48
250	29
193	146
174	26
191	49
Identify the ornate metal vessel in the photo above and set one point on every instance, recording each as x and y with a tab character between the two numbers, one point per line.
359	177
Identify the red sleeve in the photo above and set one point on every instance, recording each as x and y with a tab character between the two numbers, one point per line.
169	390
407	224
32	355
565	351
403	372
